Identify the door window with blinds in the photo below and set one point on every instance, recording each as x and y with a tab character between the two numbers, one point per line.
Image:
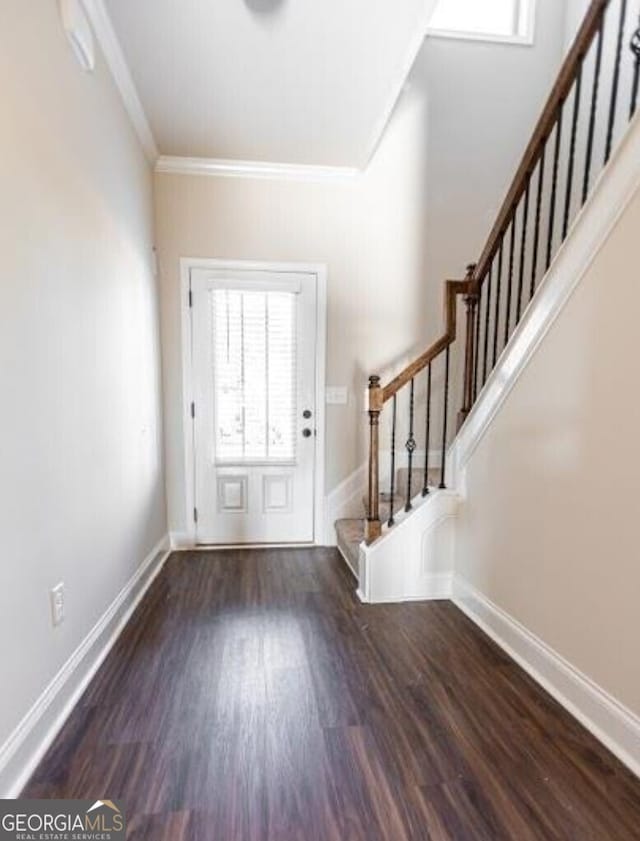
254	362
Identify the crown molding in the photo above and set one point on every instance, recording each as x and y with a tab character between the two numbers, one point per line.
228	167
105	33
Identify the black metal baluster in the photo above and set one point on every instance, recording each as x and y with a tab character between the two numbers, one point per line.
486	325
616	79
444	419
592	116
496	317
523	243
410	447
634	46
427	435
572	154
536	231
512	246
392	483
476	350
554	184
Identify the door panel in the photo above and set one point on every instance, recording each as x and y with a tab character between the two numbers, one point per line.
254	381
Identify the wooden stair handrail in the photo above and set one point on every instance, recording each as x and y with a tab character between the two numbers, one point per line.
546	122
453	288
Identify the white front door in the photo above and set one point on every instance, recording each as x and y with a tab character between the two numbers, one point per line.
254	369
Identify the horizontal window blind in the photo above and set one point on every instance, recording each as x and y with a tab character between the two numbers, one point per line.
254	361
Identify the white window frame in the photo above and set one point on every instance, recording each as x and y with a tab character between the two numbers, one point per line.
187	539
527	15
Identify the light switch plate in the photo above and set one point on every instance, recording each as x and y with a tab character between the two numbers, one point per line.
56	596
336	395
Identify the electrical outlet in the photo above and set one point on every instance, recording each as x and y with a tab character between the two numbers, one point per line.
57	603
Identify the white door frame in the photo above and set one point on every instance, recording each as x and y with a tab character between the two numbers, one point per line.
320	272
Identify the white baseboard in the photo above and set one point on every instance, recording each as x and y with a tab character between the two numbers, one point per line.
30	740
181	540
226	547
434	587
605	717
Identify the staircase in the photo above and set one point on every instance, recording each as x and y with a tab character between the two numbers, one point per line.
590	106
350	532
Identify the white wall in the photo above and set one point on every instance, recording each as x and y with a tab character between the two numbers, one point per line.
416	216
81	475
548	527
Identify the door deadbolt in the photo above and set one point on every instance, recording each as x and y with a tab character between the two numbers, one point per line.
306	413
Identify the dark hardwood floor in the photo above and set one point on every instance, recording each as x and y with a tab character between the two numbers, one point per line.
252	698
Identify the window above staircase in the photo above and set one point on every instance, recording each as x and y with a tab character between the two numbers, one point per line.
497	20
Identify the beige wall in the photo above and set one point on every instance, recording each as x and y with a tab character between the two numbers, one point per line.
548	530
389	238
81	478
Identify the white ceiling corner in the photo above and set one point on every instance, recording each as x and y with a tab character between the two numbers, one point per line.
233	89
117	63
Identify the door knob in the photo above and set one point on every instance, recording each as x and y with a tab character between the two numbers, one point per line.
306	433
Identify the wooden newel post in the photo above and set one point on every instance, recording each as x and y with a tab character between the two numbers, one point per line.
373	526
471	302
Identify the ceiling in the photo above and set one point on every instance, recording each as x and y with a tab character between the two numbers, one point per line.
292	81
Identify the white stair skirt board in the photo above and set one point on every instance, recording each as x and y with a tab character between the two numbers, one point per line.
345	500
354	572
615	187
32	737
608	720
414	559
